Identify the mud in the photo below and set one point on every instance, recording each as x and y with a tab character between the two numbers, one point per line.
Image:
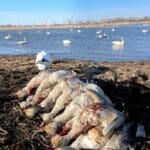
126	83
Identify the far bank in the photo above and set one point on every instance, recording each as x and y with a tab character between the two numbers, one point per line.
73	26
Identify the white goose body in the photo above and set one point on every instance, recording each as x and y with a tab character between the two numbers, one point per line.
66	42
8	36
121	42
48	33
102	35
113	29
98	32
42	60
144	30
24	41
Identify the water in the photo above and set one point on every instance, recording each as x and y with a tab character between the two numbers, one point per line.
85	45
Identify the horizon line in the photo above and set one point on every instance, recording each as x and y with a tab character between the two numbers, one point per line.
71	22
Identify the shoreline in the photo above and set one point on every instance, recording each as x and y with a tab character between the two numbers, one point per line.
71	59
74	26
125	70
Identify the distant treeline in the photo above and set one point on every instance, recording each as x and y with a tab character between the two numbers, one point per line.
87	22
131	19
114	20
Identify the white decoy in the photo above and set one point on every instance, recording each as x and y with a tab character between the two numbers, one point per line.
98	32
144	30
113	29
102	35
145	25
79	31
48	33
8	36
117	47
42	60
22	42
121	42
66	42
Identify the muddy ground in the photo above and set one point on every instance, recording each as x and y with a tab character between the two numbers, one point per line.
127	84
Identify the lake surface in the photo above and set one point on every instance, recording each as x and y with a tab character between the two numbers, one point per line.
85	45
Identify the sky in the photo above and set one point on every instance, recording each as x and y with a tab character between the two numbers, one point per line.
28	12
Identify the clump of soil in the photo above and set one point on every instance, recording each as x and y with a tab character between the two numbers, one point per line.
127	84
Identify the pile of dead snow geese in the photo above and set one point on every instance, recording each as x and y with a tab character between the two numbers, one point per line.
76	115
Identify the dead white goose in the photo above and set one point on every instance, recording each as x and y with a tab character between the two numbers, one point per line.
92	140
42	81
32	100
105	116
66	95
83	96
95	88
53	95
73	108
79	100
76	126
89	116
24	41
119	42
50	81
32	84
